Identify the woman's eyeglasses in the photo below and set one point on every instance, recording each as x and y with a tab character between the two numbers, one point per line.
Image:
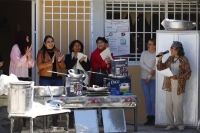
148	44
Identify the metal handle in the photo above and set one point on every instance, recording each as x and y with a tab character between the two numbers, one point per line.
50	93
58	73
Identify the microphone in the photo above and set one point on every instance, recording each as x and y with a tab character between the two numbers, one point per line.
166	52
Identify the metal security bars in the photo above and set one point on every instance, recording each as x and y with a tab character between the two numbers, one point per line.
67	20
145	17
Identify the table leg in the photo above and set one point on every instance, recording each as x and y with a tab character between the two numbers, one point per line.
135	119
48	121
31	125
12	124
67	121
44	122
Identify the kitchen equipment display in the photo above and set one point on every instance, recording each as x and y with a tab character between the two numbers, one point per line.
118	86
119	67
75	81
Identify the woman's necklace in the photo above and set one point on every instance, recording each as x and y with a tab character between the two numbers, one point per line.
174	61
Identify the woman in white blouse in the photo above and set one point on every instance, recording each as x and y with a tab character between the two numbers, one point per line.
147	64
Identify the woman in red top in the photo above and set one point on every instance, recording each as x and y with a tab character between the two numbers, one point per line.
97	62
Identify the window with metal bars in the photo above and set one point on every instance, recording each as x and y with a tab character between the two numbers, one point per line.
67	20
145	17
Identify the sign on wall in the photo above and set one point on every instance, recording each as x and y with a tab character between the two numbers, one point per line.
118	36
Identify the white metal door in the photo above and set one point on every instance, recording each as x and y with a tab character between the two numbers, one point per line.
35	36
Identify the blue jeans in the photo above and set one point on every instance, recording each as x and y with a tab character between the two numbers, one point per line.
149	94
50	82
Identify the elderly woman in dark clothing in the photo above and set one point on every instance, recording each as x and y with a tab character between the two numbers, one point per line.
175	85
71	59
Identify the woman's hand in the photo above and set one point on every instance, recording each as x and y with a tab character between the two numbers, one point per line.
147	81
160	57
82	59
60	58
174	77
28	53
152	72
107	60
1	63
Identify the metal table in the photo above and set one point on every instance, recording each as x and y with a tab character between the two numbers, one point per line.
35	112
98	102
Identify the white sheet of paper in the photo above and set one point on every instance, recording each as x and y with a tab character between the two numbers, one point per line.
167	72
78	65
106	53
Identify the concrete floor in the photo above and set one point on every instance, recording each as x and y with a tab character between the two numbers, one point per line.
130	129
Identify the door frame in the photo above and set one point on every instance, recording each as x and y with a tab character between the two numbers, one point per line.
35	34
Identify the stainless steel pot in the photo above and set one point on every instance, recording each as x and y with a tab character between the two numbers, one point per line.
20	96
171	24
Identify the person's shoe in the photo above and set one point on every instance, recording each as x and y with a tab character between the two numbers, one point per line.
180	127
152	120
169	127
148	120
24	128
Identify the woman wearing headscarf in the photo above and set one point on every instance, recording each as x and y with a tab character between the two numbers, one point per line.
175	85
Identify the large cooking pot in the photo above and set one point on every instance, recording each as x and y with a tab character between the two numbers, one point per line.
171	24
20	97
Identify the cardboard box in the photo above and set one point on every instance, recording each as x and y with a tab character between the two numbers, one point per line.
118	86
119	67
75	88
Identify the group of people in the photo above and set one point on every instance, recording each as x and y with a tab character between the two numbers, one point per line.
49	58
174	85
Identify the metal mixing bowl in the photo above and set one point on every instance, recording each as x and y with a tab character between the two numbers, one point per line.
44	91
171	24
